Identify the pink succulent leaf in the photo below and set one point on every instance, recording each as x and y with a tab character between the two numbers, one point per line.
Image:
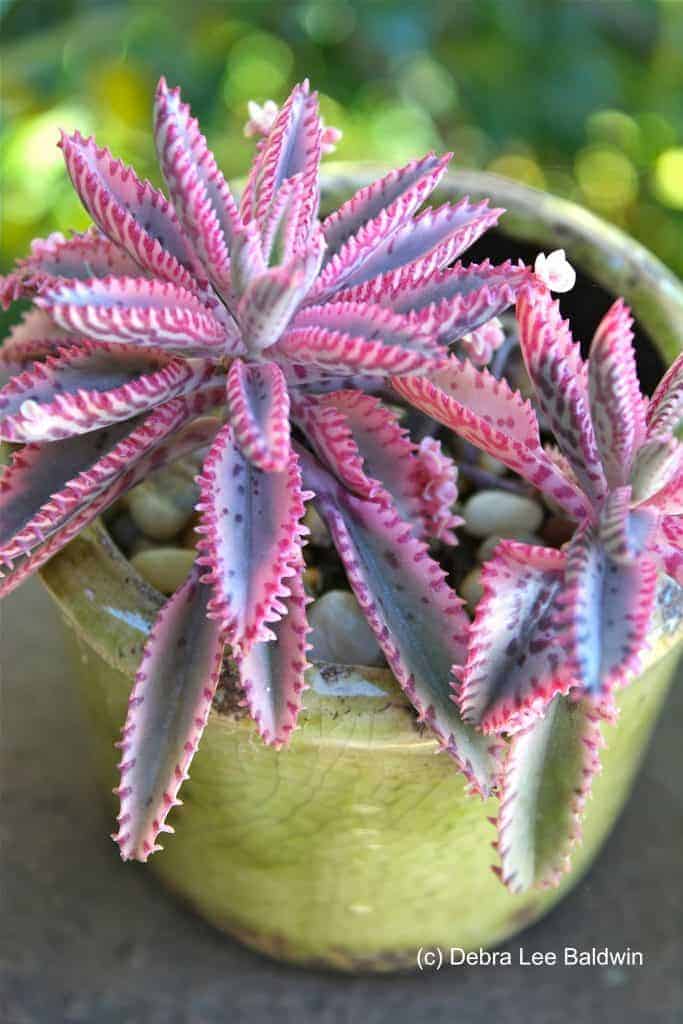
558	374
271	299
130	212
36	523
435	477
375	458
35	336
251	538
607	611
167	712
665	410
434	239
515	659
616	405
280	235
624	532
450	301
667	547
417	619
259	413
91	386
272	673
487	413
307	379
200	194
247	262
351	353
90	254
545	782
293	146
657	470
153	314
375	211
329	433
669	500
367	320
389	205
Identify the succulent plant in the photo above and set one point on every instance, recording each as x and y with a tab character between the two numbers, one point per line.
285	344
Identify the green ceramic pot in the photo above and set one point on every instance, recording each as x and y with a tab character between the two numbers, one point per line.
357	845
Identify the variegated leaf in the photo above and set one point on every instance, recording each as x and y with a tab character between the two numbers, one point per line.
349	353
291	147
487	413
515	659
167	712
361	227
558	374
657	469
418	621
616	405
198	189
35	336
153	314
271	299
37	522
607	611
429	242
251	538
666	548
328	432
86	255
625	532
259	413
367	320
92	386
665	410
545	783
272	673
131	212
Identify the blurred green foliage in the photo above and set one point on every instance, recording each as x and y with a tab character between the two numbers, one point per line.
581	98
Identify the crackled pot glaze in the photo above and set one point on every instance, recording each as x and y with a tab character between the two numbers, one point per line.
357	845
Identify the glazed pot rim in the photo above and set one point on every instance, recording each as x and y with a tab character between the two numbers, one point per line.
116	611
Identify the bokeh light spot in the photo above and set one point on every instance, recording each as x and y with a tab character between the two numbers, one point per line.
668	177
607	178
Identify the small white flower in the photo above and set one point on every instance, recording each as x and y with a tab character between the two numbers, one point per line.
261	118
555	271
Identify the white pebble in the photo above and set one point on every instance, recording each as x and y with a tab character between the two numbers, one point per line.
340	632
471	589
502	513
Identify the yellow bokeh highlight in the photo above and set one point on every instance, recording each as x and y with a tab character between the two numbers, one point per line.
520	168
668	177
607	178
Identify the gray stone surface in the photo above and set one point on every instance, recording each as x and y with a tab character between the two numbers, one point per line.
86	938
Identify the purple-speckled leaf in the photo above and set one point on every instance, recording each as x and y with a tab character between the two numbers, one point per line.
559	377
665	410
91	386
515	659
259	413
616	405
90	254
291	147
167	712
35	336
346	352
360	228
367	320
199	191
417	619
131	212
546	780
272	672
153	314
435	239
42	509
666	547
625	532
656	469
487	413
607	610
251	538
